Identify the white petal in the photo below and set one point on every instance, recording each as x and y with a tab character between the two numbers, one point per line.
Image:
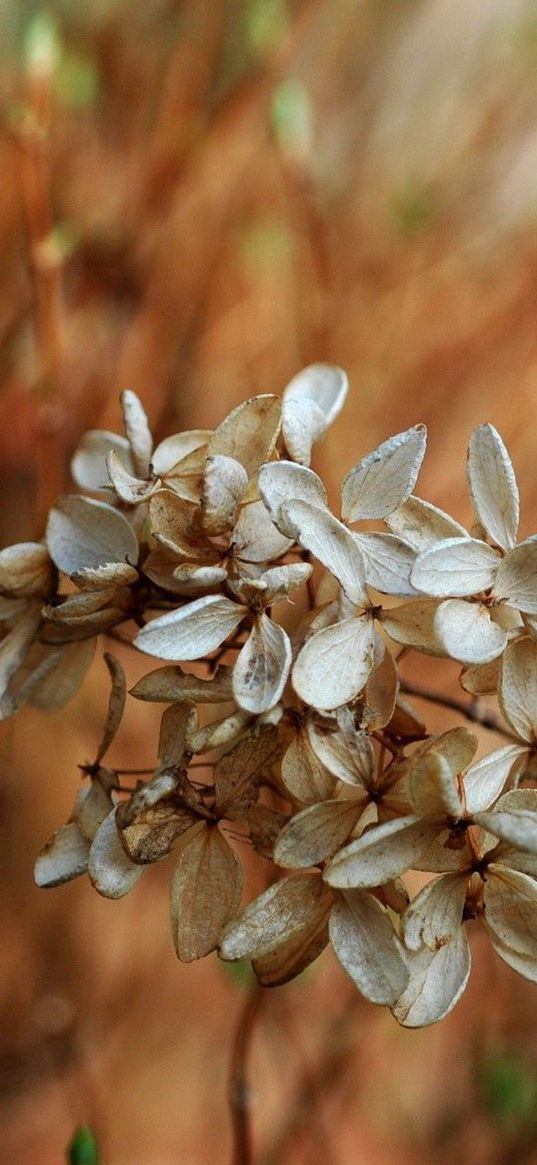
303	422
523	964
192	631
510	901
385	478
437	981
261	670
88	465
173	449
324	384
485	780
130	489
455	567
388	563
365	943
516	579
330	541
421	524
283	581
283	481
256	538
110	869
435	914
64	857
467	632
492	485
137	432
224	483
85	533
333	666
350	759
381	853
518	688
26	570
518	827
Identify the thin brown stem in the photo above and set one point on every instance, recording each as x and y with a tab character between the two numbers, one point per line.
239	1094
469	709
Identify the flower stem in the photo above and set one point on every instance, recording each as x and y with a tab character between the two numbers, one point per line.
239	1095
469	709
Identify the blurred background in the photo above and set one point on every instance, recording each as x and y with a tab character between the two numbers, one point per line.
197	198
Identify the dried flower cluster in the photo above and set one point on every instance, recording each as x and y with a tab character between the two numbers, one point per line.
288	731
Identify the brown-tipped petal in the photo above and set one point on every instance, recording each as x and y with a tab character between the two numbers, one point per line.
63	858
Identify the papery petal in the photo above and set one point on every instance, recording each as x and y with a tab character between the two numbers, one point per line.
432	787
137	432
385	478
330	541
518	828
510	901
282	481
492	485
334	664
303	774
325	385
26	570
82	532
192	631
256	538
516	579
291	907
437	981
303	422
167	685
467	632
412	625
381	853
435	914
205	891
109	867
388	563
63	858
481	679
316	833
262	667
249	433
224	483
88	465
518	688
172	450
455	567
132	490
350	758
485	780
421	524
365	944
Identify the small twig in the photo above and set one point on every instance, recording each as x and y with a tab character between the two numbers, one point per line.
469	710
239	1093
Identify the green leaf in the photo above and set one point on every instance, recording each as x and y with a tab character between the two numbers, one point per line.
508	1086
83	1149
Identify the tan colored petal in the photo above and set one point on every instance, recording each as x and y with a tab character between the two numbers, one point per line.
290	908
177	724
26	570
205	891
224	484
510	900
412	625
435	914
316	833
518	688
240	771
348	756
294	954
112	574
130	489
381	853
516	579
116	704
481	679
249	433
303	423
174	450
433	789
170	684
303	774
